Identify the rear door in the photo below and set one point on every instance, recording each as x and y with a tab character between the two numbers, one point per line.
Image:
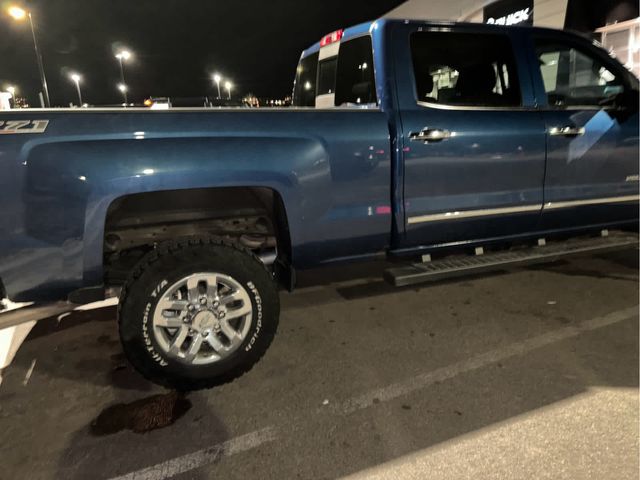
590	108
473	144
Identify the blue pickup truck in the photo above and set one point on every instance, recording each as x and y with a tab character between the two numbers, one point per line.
407	139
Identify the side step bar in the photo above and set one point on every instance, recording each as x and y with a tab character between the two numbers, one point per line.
486	262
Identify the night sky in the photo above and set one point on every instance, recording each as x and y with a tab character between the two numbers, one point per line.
176	44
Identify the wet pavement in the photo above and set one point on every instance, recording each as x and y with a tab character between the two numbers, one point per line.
527	373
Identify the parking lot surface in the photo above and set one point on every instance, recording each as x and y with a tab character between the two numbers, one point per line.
527	373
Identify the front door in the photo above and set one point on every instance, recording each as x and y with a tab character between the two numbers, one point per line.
590	108
473	144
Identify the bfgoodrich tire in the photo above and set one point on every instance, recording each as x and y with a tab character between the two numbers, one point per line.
197	313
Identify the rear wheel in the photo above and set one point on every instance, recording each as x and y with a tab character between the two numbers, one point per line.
197	313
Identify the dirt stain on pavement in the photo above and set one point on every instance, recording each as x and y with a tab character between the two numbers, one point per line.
141	416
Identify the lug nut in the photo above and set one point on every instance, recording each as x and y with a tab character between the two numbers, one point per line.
221	315
205	334
203	301
216	304
186	320
190	307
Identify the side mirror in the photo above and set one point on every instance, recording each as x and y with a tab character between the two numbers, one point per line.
628	99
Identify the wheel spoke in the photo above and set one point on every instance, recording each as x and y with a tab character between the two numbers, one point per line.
232	297
192	286
194	348
212	286
167	322
229	331
178	340
216	344
171	304
245	309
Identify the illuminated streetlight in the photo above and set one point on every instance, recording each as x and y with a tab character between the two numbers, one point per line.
76	79
123	56
17	13
20	14
217	78
11	89
228	86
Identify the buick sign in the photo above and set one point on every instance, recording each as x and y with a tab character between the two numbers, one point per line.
509	12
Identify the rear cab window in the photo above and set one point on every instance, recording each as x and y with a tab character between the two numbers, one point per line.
344	76
465	69
355	80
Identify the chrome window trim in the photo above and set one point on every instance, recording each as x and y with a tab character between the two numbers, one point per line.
463	214
446	106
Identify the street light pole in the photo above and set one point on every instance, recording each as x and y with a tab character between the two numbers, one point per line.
43	77
122	57
18	14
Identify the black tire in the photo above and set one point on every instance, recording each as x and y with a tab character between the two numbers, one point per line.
167	264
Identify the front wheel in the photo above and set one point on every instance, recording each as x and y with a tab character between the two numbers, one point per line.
197	313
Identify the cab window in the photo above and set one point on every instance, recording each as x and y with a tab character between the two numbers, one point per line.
304	93
574	77
327	76
465	69
355	80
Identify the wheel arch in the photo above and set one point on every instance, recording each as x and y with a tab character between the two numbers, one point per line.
161	215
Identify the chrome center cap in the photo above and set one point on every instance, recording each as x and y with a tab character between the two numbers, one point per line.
204	320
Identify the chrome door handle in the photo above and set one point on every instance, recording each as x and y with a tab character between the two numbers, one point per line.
566	131
428	135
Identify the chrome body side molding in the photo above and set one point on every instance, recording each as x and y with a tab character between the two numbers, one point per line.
456	215
591	201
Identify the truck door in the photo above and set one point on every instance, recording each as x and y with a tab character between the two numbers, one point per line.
473	145
590	108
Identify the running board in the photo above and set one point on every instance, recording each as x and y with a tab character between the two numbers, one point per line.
451	267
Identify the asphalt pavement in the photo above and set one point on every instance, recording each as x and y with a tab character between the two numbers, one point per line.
525	373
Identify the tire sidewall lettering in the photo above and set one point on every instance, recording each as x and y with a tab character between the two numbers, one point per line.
145	325
258	326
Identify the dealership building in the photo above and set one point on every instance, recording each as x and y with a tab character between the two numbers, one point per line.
615	23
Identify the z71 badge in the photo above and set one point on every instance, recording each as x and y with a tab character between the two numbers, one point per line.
23	126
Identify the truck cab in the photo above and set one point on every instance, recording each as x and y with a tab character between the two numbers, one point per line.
498	132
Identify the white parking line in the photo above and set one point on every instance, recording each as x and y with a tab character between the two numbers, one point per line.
206	456
419	382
